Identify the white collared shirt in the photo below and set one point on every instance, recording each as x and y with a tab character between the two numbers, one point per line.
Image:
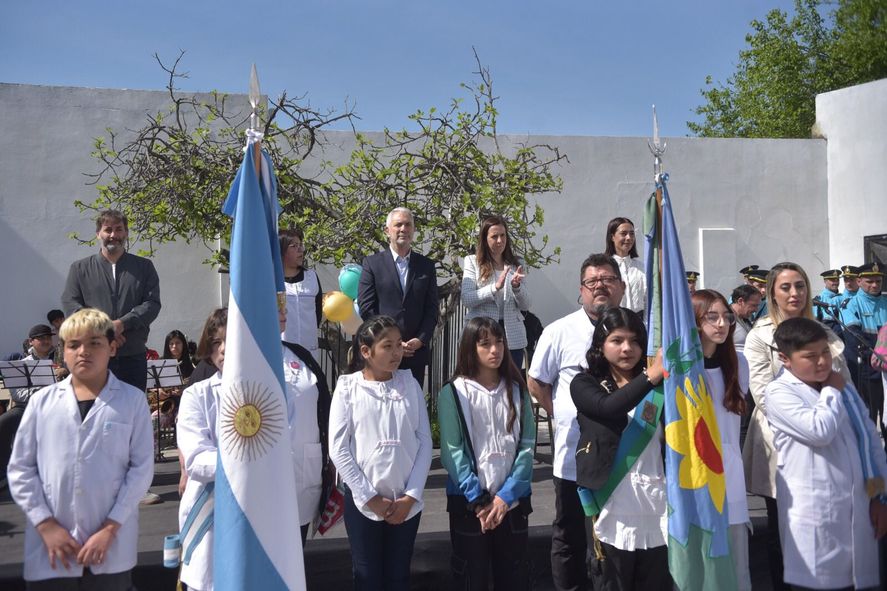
403	267
380	438
82	472
559	356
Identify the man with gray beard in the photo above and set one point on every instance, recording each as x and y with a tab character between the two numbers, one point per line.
559	356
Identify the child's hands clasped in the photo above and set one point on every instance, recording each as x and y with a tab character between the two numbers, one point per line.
492	515
96	547
399	509
380	506
58	541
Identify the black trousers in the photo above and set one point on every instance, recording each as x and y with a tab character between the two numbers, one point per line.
9	422
774	547
503	550
132	370
568	544
640	570
88	582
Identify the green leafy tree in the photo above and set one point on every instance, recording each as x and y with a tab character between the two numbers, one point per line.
450	168
788	62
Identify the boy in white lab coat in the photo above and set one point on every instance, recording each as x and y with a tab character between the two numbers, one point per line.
82	460
831	510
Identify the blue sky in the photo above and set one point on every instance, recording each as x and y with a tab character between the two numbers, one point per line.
560	67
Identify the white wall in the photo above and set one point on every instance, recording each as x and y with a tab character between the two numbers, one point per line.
47	138
748	201
854	121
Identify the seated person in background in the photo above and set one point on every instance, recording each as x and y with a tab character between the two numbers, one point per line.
39	347
830	509
87	439
176	347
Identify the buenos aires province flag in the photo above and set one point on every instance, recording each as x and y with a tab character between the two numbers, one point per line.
698	547
256	539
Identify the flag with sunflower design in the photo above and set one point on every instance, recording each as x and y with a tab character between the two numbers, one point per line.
698	547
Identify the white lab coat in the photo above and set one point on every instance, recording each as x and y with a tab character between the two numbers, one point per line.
82	473
197	436
380	438
826	533
301	400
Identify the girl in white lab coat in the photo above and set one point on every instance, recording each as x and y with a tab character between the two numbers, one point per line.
727	375
197	437
380	442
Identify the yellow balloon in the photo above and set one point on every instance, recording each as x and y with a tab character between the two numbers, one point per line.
337	306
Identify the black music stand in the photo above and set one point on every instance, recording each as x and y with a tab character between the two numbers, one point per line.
27	373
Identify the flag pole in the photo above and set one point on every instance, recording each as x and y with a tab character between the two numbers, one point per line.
255	96
657	148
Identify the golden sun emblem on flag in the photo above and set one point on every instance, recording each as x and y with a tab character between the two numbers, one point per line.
251	420
696	437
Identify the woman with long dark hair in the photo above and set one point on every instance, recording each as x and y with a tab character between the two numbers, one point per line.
493	284
727	378
487	435
175	346
624	501
622	246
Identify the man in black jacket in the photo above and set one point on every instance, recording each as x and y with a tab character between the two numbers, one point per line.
400	283
123	286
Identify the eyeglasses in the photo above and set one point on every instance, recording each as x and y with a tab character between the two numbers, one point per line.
299	247
608	280
713	317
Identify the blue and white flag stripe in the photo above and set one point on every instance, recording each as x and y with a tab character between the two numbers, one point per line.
257	542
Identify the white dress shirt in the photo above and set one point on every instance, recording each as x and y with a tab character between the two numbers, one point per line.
380	439
403	268
728	425
559	356
82	472
635	517
635	278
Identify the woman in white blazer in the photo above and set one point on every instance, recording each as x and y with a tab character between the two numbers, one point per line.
788	296
493	284
622	246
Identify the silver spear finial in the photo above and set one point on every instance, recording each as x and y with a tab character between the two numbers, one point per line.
656	147
254	98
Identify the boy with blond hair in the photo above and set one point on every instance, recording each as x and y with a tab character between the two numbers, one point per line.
82	459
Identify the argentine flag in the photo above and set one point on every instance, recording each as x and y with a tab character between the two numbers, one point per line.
257	544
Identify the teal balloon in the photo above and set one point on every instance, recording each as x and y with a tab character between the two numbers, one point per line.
349	279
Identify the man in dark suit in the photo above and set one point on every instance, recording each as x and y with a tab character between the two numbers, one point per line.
402	284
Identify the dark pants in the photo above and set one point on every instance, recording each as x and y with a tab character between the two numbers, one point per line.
303	530
380	552
641	569
416	364
132	370
504	549
517	355
872	393
88	582
9	422
568	544
774	547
